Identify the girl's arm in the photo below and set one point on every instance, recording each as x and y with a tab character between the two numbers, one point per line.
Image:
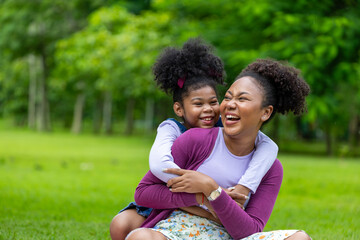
190	153
264	156
160	154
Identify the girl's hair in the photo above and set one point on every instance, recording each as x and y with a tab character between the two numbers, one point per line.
282	85
179	71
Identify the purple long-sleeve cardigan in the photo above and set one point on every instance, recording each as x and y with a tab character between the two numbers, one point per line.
189	151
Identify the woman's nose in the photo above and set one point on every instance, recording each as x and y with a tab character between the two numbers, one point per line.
230	104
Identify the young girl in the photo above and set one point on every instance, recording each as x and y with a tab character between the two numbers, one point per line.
190	75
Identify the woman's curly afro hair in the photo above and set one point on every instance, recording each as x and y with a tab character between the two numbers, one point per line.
194	62
283	86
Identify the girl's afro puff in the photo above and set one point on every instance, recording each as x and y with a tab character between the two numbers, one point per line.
195	59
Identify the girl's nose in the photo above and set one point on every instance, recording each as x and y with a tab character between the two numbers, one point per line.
208	108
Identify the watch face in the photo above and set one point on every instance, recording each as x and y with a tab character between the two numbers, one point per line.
215	194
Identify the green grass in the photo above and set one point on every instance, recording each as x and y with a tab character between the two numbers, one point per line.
60	186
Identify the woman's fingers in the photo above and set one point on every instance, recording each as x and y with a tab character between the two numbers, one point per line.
178	186
177	171
173	181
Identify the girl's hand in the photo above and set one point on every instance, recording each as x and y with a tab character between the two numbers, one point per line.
190	181
239	194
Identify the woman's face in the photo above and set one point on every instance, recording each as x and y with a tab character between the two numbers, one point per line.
199	109
241	110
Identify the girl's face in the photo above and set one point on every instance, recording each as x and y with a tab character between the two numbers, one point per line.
200	108
241	110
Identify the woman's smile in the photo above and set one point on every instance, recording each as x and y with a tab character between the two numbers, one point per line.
231	119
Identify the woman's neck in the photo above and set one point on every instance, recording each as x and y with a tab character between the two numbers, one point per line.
240	145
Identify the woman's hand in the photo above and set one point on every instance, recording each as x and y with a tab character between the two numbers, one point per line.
190	181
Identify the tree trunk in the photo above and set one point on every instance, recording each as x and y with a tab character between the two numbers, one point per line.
78	113
129	127
354	132
329	141
43	113
107	114
149	114
32	92
97	116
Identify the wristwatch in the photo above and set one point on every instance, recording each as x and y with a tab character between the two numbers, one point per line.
214	194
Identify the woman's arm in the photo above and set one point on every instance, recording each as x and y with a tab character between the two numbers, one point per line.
153	193
195	210
238	223
264	156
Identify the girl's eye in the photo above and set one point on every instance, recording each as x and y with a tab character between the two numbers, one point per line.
197	104
214	103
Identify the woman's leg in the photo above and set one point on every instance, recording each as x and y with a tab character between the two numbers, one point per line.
300	235
145	234
123	223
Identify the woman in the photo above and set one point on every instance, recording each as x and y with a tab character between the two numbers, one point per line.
218	157
196	104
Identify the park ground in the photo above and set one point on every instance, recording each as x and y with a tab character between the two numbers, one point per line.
62	186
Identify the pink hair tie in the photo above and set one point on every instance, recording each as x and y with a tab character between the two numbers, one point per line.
180	82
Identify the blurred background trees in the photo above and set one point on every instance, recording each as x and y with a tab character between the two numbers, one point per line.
86	65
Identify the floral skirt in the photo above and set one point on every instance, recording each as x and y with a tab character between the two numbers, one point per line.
181	225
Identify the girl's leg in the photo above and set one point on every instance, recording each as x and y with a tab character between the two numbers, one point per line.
123	223
145	234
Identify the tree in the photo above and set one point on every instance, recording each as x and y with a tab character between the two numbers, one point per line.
115	53
321	43
31	29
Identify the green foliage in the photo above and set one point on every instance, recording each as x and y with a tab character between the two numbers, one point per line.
98	47
318	38
114	50
61	186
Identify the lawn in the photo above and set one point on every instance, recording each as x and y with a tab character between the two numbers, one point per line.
60	186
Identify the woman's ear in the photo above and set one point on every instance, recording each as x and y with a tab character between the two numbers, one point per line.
267	113
178	109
